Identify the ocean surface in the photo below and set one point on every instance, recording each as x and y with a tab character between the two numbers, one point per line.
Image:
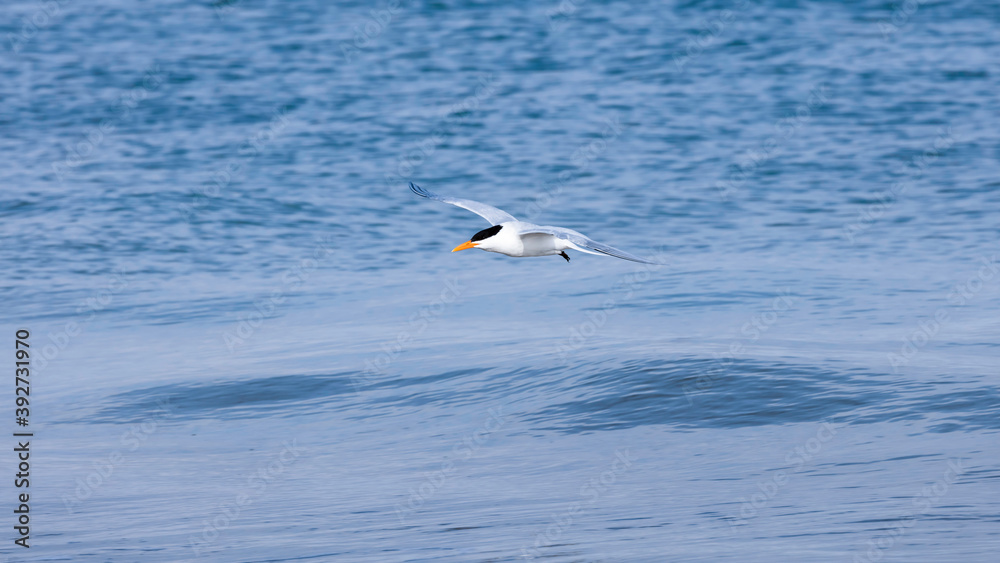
250	341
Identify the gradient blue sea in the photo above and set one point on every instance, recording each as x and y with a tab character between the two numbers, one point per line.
250	341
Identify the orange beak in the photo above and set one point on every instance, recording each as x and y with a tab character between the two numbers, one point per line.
464	245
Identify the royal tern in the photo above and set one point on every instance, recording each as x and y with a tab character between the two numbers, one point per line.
517	238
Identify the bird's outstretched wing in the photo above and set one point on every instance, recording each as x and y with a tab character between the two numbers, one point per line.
584	243
492	214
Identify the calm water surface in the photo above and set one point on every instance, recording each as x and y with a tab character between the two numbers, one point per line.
253	344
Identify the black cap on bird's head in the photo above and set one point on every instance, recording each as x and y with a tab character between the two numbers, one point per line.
486	233
481	235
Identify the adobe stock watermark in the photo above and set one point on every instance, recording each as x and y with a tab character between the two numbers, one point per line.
256	485
416	325
621	292
41	18
559	15
922	503
247	152
225	7
752	331
88	310
78	153
580	159
265	307
410	160
434	481
913	170
104	468
796	458
592	491
901	14
367	33
712	30
785	128
927	329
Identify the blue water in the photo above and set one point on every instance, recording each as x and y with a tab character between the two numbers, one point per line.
251	342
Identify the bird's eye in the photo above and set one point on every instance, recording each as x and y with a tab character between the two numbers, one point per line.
486	233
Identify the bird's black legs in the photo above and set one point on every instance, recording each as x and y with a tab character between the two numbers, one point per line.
564	255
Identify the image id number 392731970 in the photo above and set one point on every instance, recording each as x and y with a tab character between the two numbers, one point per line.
22	390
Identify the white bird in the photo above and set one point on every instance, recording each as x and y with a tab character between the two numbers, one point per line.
517	238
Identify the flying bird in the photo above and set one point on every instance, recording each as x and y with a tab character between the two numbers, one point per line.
517	238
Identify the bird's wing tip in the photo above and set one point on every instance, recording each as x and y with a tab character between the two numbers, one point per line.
421	192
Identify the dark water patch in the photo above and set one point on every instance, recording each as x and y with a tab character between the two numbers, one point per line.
282	395
227	399
686	393
699	393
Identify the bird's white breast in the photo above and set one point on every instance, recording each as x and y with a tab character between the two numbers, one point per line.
540	244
